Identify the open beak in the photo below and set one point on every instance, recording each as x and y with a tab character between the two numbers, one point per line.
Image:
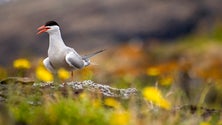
42	29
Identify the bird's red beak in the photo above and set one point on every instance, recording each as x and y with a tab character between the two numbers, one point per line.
42	29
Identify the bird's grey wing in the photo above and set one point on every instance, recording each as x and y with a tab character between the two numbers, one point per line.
74	60
49	65
86	57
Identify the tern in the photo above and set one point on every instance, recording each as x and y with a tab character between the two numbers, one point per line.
60	55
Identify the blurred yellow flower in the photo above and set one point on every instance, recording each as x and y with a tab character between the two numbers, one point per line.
112	103
120	117
163	68
205	123
83	95
219	122
22	63
96	103
153	94
43	74
63	74
153	71
166	81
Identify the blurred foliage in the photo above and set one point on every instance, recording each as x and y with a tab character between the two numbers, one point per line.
172	74
3	73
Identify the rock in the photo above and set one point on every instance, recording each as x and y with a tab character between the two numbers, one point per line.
26	87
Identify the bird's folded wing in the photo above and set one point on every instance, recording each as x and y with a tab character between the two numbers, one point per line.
74	60
85	57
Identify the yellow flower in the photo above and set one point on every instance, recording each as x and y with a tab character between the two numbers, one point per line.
166	81
154	95
120	117
43	74
112	103
205	123
21	64
153	71
83	95
63	74
219	122
96	103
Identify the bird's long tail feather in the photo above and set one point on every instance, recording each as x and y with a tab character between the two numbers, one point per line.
86	57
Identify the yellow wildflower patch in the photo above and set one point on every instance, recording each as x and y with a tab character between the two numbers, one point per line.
22	63
63	74
153	94
112	103
205	123
96	103
120	117
43	74
83	95
166	81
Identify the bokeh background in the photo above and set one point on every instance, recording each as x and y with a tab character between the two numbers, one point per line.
89	25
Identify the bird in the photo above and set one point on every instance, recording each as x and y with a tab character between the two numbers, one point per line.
59	54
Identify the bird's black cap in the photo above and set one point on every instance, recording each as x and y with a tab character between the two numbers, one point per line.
51	23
